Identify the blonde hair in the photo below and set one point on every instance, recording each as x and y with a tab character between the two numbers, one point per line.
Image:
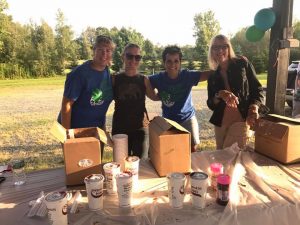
129	46
213	64
106	40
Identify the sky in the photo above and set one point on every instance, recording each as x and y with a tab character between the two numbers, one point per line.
163	22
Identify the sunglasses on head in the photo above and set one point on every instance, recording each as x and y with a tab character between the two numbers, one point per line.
131	57
220	47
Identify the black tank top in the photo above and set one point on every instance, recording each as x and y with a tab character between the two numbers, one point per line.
130	111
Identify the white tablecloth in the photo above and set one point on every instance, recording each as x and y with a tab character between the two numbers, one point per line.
262	192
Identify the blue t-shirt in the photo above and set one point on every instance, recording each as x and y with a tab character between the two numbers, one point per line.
91	91
175	94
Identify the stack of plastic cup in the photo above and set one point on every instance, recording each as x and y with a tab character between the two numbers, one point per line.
120	148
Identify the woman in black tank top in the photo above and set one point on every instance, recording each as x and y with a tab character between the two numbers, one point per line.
130	89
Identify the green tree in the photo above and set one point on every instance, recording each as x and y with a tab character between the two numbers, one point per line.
121	38
66	48
43	44
6	26
206	27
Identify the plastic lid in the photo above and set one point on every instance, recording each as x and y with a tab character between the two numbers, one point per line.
223	179
216	168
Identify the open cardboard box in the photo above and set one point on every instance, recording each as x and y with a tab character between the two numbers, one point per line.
170	146
82	152
278	137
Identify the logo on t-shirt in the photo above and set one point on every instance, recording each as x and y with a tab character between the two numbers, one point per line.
102	94
167	99
97	97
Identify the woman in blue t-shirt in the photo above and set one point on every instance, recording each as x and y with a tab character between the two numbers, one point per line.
174	88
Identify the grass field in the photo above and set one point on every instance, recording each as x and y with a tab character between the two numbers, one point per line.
29	108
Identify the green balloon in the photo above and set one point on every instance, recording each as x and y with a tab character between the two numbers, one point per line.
254	34
264	19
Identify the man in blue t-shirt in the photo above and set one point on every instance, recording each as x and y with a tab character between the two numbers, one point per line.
174	88
88	89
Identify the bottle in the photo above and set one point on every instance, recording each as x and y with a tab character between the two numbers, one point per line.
215	169
223	183
19	176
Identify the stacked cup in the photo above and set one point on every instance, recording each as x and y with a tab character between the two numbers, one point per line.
120	148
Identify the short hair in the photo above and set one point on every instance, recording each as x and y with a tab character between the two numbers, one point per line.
131	45
213	64
104	39
173	49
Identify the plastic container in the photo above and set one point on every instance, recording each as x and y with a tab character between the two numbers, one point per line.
19	175
215	169
223	183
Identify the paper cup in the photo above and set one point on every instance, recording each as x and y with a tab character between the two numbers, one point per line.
132	166
199	182
176	189
124	188
56	203
94	190
120	148
111	170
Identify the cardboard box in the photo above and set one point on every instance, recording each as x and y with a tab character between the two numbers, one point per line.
170	146
278	137
82	152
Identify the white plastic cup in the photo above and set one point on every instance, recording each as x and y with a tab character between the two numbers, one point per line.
120	148
94	190
56	203
124	188
132	165
176	182
111	170
199	183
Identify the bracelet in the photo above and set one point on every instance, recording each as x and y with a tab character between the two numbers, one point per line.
217	95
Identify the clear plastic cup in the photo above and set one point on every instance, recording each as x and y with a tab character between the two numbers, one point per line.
19	175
